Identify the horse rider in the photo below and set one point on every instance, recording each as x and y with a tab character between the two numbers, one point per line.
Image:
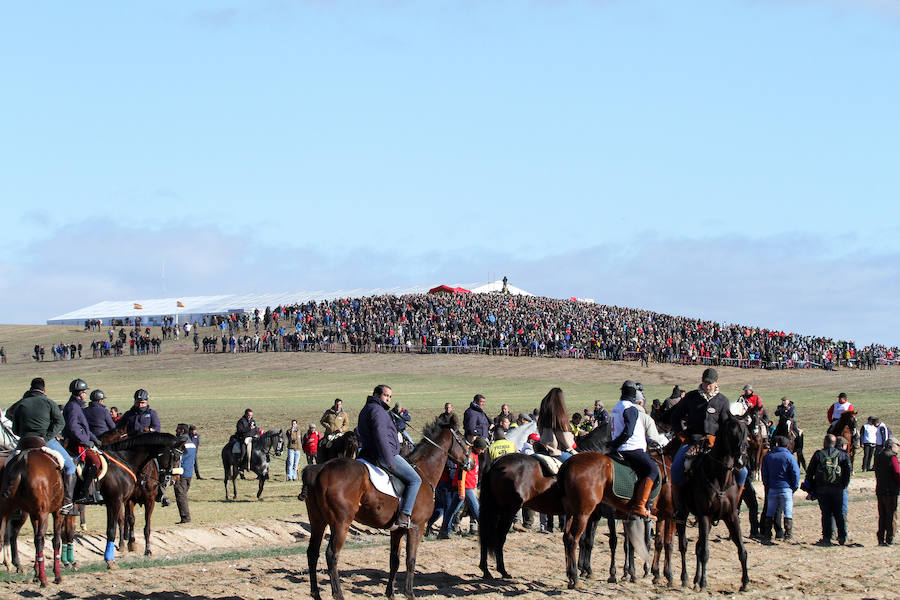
696	420
835	411
401	417
786	410
651	432
246	432
749	397
80	438
334	422
601	415
380	446
140	418
98	418
554	427
629	438
37	415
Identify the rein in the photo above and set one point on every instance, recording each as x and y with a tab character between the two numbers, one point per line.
121	464
444	452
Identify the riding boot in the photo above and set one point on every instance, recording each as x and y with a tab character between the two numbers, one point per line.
779	532
638	504
754	525
68	507
788	529
766	533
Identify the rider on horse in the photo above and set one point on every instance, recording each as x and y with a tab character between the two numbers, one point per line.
786	411
334	422
80	440
37	415
98	418
752	401
380	446
246	432
696	419
629	438
140	418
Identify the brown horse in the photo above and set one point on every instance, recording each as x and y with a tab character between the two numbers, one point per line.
845	428
585	482
344	445
145	495
711	494
127	460
340	492
34	486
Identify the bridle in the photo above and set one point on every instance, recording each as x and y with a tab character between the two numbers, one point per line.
456	439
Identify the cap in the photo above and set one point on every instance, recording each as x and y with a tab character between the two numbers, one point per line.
312	425
710	375
524	416
842	395
748	388
533	437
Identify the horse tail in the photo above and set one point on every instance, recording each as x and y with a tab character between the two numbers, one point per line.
634	533
308	478
489	520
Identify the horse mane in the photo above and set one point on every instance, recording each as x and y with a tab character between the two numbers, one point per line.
434	428
142	441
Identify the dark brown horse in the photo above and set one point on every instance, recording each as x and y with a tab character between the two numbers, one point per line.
795	442
711	494
340	492
34	486
261	450
585	482
127	460
344	445
145	495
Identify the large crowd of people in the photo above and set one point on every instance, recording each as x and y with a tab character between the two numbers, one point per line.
489	323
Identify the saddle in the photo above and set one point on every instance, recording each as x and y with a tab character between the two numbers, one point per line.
97	460
35	443
549	464
624	480
383	481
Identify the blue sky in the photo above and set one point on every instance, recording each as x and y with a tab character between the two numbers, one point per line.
735	160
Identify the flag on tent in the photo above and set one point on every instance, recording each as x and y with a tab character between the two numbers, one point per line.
137	306
179	304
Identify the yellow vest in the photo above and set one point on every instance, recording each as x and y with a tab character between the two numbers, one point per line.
500	447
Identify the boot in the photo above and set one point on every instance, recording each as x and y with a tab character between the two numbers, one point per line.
766	535
788	529
68	507
403	522
638	504
779	532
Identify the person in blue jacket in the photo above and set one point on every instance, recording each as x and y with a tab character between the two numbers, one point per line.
781	478
79	438
380	446
184	481
98	418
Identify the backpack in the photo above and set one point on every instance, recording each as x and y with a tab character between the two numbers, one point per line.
829	470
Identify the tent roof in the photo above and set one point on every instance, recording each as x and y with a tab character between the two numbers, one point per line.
448	289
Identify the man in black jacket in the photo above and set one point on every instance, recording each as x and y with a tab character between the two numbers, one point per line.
827	476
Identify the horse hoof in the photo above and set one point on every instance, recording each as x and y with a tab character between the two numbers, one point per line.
148	553
612	579
58	580
485	574
575	585
111	564
505	575
74	567
20	570
132	546
43	583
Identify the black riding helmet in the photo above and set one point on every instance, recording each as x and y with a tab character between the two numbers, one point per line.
629	389
97	395
141	396
78	385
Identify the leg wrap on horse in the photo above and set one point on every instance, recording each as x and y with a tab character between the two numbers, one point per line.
110	553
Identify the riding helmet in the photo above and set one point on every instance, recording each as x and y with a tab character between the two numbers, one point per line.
78	385
629	389
97	395
141	396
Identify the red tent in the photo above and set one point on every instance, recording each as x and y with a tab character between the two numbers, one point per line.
446	289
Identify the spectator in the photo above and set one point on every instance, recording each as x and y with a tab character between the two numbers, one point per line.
195	437
310	443
293	451
500	446
183	484
334	420
475	422
887	487
827	477
781	478
867	435
465	483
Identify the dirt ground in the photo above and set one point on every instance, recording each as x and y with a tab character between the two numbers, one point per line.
449	568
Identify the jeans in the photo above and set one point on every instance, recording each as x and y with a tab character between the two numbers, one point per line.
411	478
68	463
443	500
290	465
740	476
780	500
563	456
472	501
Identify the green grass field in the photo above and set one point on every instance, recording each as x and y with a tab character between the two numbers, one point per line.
212	392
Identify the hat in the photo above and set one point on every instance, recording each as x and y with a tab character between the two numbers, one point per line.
710	375
748	387
533	437
312	425
842	395
676	392
480	443
525	417
629	389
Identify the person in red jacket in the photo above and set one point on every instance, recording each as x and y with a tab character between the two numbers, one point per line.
465	482
310	442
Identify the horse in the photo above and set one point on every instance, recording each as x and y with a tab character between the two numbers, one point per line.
340	492
585	483
845	427
795	442
144	494
711	494
126	461
260	456
34	486
344	444
757	448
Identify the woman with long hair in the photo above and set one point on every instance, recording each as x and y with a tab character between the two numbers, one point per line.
554	427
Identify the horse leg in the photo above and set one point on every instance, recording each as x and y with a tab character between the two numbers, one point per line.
586	547
332	554
262	482
613	541
680	526
669	542
412	547
503	525
702	552
57	547
396	537
39	523
225	480
316	533
114	510
148	512
571	539
657	549
648	538
734	528
129	526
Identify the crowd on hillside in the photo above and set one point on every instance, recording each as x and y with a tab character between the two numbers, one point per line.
497	324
